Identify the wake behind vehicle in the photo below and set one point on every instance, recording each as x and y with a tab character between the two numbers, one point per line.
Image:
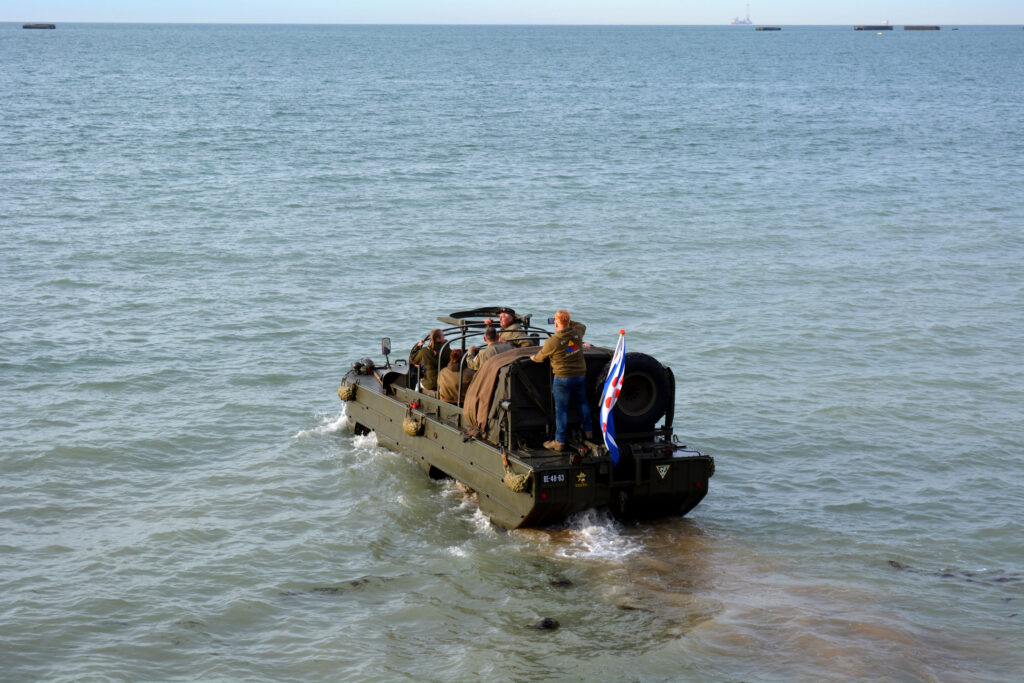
492	439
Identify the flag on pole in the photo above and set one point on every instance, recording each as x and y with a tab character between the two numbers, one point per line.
612	387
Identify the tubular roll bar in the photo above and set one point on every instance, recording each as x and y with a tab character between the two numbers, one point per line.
470	329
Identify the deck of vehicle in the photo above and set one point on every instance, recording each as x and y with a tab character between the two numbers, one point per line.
492	441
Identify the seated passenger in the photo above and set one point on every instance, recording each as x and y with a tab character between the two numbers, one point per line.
493	348
511	331
425	356
448	379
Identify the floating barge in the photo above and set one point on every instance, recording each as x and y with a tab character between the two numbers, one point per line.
921	28
768	28
880	27
39	25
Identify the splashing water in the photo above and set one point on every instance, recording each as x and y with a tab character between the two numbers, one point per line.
329	424
589	535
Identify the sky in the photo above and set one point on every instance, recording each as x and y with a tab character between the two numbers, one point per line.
644	12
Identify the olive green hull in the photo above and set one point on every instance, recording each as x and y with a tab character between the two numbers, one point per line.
655	483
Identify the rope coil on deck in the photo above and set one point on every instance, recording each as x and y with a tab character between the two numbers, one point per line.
515	482
412	425
347	392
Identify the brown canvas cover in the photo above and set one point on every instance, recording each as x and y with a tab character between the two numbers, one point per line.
530	396
481	390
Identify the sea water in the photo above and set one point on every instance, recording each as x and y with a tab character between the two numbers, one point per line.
819	230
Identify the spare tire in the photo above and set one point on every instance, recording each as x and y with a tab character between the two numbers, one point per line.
645	395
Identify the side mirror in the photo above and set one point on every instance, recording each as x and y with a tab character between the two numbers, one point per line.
385	346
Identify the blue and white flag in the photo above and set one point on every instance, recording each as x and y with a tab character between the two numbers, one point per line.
612	387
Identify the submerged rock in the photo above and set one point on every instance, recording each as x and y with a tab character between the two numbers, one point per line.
994	577
546	624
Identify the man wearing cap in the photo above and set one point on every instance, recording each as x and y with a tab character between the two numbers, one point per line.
565	349
511	332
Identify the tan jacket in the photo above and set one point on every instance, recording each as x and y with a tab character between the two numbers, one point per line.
514	335
565	349
448	384
488	351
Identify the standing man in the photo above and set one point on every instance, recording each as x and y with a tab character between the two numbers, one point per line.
565	349
511	332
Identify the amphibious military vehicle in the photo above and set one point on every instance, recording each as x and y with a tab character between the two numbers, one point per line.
492	439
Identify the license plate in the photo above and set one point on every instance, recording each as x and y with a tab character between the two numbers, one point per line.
552	479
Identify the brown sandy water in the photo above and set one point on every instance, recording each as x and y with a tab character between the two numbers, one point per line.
710	599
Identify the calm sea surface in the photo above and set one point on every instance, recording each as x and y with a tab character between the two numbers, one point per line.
821	231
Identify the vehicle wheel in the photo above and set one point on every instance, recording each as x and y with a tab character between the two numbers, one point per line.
645	393
360	430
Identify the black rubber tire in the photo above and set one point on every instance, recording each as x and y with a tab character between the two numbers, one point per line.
645	393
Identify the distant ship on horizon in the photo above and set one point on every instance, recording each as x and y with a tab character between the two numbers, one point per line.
743	22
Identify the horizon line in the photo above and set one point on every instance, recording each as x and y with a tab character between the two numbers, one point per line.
324	23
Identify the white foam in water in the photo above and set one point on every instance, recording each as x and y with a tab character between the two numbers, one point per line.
329	424
468	508
467	496
366	442
597	536
482	523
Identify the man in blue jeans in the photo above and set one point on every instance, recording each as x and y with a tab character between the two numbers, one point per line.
565	349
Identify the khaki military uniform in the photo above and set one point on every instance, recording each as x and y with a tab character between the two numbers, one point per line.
426	357
448	383
488	351
514	335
